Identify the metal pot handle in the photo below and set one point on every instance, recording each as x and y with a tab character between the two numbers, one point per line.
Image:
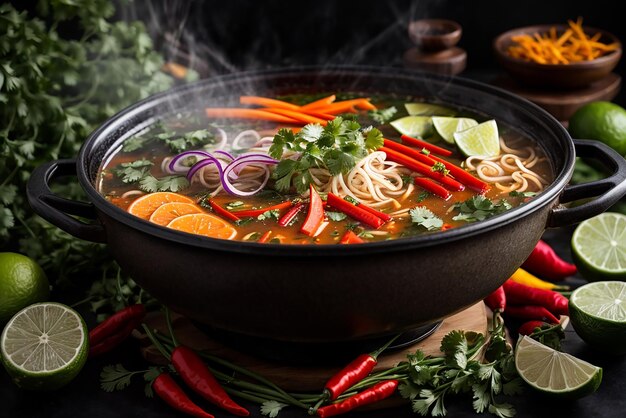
607	191
57	210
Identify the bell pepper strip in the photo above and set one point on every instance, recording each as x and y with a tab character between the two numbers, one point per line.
546	263
197	376
265	237
169	391
291	214
114	330
315	215
432	187
267	102
524	277
463	176
530	312
421	168
351	238
246	113
324	101
253	213
423	144
371	395
521	294
496	301
223	212
297	115
354	211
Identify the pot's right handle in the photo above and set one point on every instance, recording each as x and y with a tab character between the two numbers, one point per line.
606	191
55	209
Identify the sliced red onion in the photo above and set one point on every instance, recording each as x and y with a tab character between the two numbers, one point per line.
258	157
203	163
175	165
243	134
225	153
223	139
240	162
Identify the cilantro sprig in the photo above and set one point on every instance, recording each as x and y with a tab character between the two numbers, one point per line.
478	208
138	172
337	147
420	215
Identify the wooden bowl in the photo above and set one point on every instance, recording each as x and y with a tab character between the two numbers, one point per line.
434	34
556	76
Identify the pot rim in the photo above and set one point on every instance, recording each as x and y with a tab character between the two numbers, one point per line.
326	250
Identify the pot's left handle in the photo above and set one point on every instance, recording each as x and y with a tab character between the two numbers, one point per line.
57	210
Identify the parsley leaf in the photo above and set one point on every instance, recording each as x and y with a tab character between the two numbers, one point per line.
515	193
133	171
422	216
478	208
139	172
336	216
272	408
383	116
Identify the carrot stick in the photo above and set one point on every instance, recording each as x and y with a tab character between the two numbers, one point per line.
267	102
432	187
325	116
423	144
337	108
244	113
297	115
319	103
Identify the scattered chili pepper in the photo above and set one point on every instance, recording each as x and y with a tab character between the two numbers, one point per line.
423	144
546	263
197	376
496	301
168	390
521	294
223	212
351	238
529	327
315	215
265	237
370	395
253	213
530	312
115	329
382	215
291	214
524	277
354	211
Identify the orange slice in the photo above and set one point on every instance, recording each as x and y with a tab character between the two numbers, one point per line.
203	224
165	213
147	204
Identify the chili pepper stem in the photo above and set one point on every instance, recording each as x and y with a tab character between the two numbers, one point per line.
314	408
546	330
376	353
168	321
156	342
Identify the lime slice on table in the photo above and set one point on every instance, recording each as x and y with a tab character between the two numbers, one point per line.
428	109
415	126
599	247
553	372
44	346
446	126
482	139
598	315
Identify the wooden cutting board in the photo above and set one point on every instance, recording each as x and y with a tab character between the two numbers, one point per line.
309	378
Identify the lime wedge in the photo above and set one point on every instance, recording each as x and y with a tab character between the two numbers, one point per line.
481	139
446	126
428	109
598	315
553	372
44	346
415	126
599	247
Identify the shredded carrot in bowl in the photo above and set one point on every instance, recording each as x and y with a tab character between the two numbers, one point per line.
570	46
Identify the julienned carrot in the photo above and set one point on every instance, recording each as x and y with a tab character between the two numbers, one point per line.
423	144
351	238
297	115
253	213
319	103
463	176
354	211
421	168
244	113
314	112
347	106
432	187
267	102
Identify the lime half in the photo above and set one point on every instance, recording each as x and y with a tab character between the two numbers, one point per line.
482	139
428	109
598	315
599	247
415	126
44	346
553	372
446	126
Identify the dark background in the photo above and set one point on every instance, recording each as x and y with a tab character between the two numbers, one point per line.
230	35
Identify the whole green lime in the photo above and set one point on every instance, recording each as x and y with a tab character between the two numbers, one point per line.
22	283
603	121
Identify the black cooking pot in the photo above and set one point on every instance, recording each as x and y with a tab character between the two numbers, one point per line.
327	293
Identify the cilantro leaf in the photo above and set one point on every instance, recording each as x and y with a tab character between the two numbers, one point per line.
272	408
383	116
115	377
336	216
133	171
422	216
478	208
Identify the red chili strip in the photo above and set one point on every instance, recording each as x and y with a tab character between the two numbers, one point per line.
521	294
421	168
291	214
197	376
408	151
315	215
432	187
223	212
530	312
114	340
496	301
382	215
253	213
546	263
354	211
423	144
265	237
116	323
463	176
351	238
371	395
168	390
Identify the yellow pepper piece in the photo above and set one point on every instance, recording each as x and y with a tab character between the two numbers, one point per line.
524	277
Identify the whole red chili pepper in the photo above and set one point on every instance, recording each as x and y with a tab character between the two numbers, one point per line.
496	301
371	395
521	294
197	376
530	312
354	372
115	329
546	263
529	327
168	390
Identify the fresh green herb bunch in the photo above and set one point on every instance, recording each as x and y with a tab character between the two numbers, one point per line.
54	90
